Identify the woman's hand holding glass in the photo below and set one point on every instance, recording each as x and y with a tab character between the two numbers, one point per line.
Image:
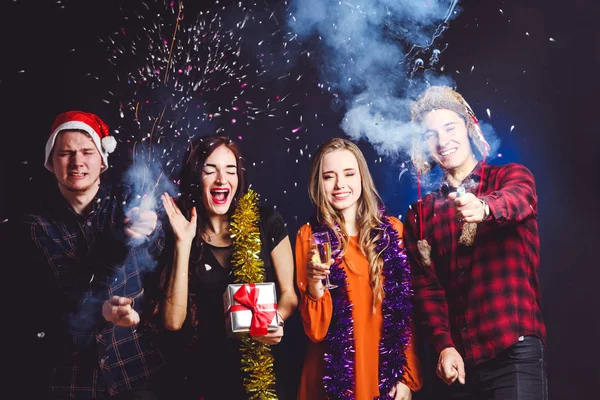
322	245
316	272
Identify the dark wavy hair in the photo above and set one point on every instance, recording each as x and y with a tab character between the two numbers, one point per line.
191	185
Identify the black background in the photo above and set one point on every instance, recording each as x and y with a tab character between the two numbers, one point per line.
53	61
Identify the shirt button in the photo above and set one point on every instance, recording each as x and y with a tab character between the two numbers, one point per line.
89	223
462	272
464	329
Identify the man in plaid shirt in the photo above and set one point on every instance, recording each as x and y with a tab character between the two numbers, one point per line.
90	260
474	248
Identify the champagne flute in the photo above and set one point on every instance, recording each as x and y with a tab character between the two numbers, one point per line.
322	244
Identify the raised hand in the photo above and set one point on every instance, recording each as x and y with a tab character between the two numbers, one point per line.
184	230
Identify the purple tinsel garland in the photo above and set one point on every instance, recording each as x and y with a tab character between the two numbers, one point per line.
396	309
339	377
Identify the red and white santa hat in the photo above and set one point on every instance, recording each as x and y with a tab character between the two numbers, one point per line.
82	121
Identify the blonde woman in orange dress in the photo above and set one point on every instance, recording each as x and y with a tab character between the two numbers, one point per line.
360	332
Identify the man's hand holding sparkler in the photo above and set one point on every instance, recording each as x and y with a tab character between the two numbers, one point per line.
140	223
119	311
471	210
468	207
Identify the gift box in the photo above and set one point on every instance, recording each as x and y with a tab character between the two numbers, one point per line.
250	308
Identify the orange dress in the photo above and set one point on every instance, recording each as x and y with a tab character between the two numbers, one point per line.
316	315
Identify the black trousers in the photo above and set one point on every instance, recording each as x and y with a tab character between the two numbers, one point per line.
518	373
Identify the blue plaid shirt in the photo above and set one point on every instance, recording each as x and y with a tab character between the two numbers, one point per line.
76	263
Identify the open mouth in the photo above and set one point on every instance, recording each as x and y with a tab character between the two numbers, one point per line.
341	196
219	196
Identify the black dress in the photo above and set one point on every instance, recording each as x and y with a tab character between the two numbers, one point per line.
204	362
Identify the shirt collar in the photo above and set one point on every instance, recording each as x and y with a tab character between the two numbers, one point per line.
471	181
61	204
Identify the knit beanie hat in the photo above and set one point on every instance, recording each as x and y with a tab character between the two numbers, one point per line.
87	122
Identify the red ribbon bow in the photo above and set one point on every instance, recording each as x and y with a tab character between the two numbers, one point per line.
247	296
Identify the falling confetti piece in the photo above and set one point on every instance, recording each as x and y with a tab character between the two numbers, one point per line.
198	65
402	173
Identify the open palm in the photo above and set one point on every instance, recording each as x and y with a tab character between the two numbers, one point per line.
183	229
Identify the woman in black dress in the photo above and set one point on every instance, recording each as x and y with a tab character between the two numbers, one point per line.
205	362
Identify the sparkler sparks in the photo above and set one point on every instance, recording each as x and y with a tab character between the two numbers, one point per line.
179	77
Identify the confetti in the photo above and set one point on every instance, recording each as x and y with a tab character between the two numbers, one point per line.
176	72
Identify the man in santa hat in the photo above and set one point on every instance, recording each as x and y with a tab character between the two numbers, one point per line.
474	248
84	254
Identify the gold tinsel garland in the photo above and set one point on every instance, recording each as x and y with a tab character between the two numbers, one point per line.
257	360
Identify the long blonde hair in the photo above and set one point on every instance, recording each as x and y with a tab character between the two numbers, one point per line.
368	210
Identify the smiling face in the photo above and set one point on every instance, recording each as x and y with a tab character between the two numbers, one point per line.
76	163
341	182
219	180
447	141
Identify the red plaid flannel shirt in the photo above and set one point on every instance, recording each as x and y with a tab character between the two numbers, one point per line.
479	299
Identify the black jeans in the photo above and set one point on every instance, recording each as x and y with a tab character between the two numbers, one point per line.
518	373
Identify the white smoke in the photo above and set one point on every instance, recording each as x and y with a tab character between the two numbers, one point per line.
372	52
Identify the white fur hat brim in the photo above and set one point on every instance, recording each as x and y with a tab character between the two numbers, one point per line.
81	126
